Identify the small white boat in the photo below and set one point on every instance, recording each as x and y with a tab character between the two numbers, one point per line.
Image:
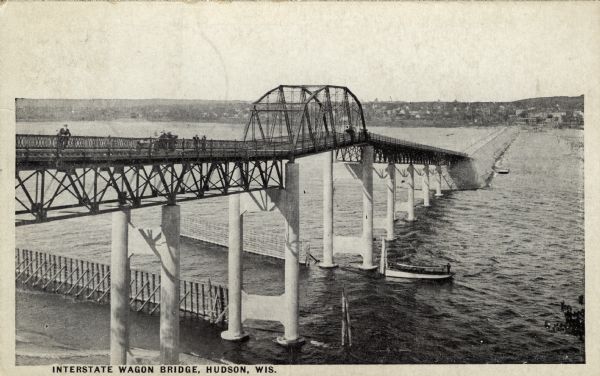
412	271
502	170
418	272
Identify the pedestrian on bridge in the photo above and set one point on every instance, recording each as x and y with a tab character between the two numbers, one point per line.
162	143
63	136
203	142
350	131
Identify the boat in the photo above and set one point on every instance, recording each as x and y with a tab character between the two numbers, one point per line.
397	270
499	169
418	272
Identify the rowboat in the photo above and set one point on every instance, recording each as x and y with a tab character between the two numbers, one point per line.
397	270
418	272
502	170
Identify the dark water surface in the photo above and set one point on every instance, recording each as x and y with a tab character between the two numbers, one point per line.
517	248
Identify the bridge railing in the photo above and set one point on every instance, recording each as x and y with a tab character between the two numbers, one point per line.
152	147
84	146
399	142
329	142
27	141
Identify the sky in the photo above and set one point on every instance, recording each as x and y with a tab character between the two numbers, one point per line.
409	51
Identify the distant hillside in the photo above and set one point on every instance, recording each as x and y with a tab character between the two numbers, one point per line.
387	113
564	103
143	109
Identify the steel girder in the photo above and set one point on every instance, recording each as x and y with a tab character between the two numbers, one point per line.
397	155
47	194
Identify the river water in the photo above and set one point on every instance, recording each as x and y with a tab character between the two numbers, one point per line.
517	248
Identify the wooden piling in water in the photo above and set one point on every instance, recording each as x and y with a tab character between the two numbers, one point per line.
346	326
184	299
221	301
143	288
148	289
153	297
92	280
58	277
103	280
18	254
37	263
98	276
137	288
53	271
210	296
198	309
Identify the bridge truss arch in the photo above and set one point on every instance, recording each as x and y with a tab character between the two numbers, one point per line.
305	116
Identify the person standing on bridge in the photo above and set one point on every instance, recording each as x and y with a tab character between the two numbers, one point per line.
63	136
162	141
171	141
196	140
203	142
350	131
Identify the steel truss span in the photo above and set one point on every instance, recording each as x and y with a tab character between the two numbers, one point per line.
393	150
305	114
50	194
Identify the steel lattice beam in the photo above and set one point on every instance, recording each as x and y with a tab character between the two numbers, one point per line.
51	194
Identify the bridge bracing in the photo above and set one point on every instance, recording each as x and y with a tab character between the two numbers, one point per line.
46	194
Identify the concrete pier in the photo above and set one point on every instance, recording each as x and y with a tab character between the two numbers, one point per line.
438	186
235	331
410	203
395	193
169	287
383	258
367	188
327	211
425	185
119	287
291	215
391	203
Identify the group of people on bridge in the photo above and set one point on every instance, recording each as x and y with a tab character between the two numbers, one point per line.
166	141
63	137
199	142
351	131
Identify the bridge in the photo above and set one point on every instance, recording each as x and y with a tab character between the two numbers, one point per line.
94	175
58	178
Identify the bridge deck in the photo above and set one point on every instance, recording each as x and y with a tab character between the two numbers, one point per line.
39	151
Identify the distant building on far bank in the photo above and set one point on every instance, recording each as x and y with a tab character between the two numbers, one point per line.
554	119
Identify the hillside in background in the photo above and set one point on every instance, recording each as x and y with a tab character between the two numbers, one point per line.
382	113
141	109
